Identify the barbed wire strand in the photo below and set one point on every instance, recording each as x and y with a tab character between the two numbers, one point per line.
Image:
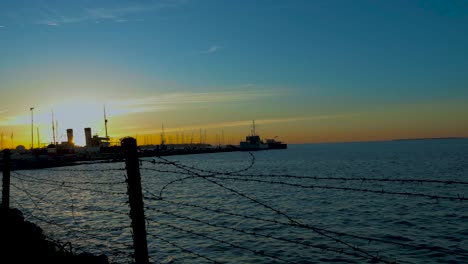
458	197
355	248
86	208
308	227
66	186
39	209
59	243
83	170
361	179
260	253
193	168
70	231
184	249
306	244
69	182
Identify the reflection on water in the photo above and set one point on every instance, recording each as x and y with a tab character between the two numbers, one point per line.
92	213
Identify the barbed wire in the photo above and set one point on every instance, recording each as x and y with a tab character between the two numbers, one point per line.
256	234
355	248
458	197
206	177
69	182
32	196
217	178
162	171
188	171
59	243
84	170
111	160
69	230
63	164
275	210
361	179
309	227
86	208
193	168
184	249
230	189
65	186
260	253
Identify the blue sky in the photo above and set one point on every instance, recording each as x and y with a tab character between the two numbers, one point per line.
309	57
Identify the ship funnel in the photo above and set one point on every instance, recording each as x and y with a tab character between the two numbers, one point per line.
70	135
88	137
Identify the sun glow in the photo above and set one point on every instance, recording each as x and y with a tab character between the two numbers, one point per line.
75	115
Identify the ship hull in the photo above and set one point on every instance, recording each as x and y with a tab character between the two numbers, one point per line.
278	146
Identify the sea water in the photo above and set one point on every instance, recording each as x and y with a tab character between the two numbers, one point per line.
201	209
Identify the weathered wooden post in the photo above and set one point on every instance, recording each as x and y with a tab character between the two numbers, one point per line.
6	180
137	213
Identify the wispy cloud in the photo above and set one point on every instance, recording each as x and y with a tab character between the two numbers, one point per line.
278	120
2	26
212	49
129	20
51	15
248	123
174	100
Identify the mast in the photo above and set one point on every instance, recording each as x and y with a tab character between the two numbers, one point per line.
105	121
38	139
32	127
53	128
162	135
253	128
222	136
56	131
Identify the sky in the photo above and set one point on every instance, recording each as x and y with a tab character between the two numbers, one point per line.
305	71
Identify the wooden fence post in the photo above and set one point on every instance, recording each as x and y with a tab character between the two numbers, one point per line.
6	180
137	213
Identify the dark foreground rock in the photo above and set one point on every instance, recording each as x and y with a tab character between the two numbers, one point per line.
24	242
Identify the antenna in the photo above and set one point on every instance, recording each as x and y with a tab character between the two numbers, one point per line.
105	121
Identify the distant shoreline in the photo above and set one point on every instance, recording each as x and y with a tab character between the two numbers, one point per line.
381	140
436	138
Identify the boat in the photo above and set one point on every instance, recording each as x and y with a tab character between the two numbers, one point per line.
254	142
273	144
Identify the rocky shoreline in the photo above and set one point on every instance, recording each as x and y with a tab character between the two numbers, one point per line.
24	242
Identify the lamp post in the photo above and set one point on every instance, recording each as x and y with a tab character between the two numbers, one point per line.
32	127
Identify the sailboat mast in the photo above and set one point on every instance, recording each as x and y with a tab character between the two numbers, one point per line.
253	128
53	128
38	138
56	132
162	136
105	121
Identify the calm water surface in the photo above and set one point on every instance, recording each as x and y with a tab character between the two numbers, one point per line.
89	209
